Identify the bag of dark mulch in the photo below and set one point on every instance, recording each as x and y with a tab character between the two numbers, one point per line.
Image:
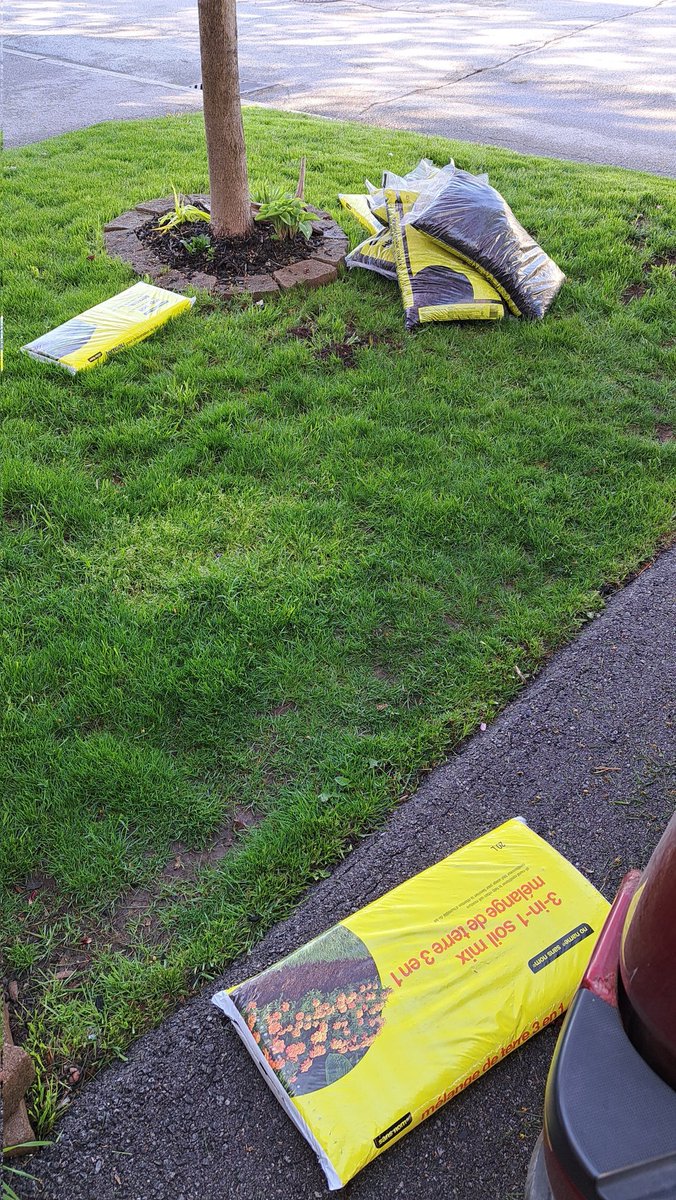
473	220
424	171
435	284
369	1029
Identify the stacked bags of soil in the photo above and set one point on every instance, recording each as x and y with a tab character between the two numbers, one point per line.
454	245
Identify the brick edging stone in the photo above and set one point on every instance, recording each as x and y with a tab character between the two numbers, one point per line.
16	1075
320	267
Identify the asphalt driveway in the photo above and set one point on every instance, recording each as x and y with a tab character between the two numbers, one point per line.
587	754
591	80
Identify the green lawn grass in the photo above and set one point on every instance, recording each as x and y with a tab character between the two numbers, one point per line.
237	574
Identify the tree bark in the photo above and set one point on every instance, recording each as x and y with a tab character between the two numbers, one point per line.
226	152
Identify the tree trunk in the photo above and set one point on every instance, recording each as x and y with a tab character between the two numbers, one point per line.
226	152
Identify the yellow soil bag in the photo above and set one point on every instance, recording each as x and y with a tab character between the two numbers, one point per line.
375	254
374	1025
435	283
88	339
358	207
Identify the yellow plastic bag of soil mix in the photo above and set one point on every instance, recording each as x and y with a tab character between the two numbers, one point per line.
88	339
424	182
435	284
374	1025
375	254
358	207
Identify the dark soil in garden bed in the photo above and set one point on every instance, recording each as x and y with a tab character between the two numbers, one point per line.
229	259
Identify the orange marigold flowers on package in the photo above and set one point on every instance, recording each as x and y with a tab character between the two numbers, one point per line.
296	1048
396	1009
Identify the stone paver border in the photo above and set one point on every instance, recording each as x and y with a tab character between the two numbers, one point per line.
320	266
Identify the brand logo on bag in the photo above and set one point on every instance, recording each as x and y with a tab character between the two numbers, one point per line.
386	1136
558	948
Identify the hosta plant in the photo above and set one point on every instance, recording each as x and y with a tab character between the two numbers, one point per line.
287	214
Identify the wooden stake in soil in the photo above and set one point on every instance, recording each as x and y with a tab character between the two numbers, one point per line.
230	202
300	189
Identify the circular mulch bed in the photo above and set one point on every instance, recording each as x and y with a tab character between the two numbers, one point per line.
260	266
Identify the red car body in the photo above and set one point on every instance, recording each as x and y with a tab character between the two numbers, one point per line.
610	1106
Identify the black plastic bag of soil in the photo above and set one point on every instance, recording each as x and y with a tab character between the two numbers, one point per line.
473	220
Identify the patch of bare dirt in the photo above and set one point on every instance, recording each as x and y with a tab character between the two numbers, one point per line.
385	676
452	622
633	292
346	350
280	710
639	228
661	260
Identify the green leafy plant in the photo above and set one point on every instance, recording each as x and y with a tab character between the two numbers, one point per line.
182	212
199	244
8	1192
287	214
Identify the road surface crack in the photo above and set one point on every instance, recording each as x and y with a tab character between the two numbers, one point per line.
448	80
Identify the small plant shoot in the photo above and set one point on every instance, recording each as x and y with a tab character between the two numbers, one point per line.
181	214
199	244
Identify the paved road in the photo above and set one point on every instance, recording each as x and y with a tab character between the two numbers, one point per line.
188	1117
592	80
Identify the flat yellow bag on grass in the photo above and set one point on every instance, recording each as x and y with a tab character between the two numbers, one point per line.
374	1025
435	283
88	339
